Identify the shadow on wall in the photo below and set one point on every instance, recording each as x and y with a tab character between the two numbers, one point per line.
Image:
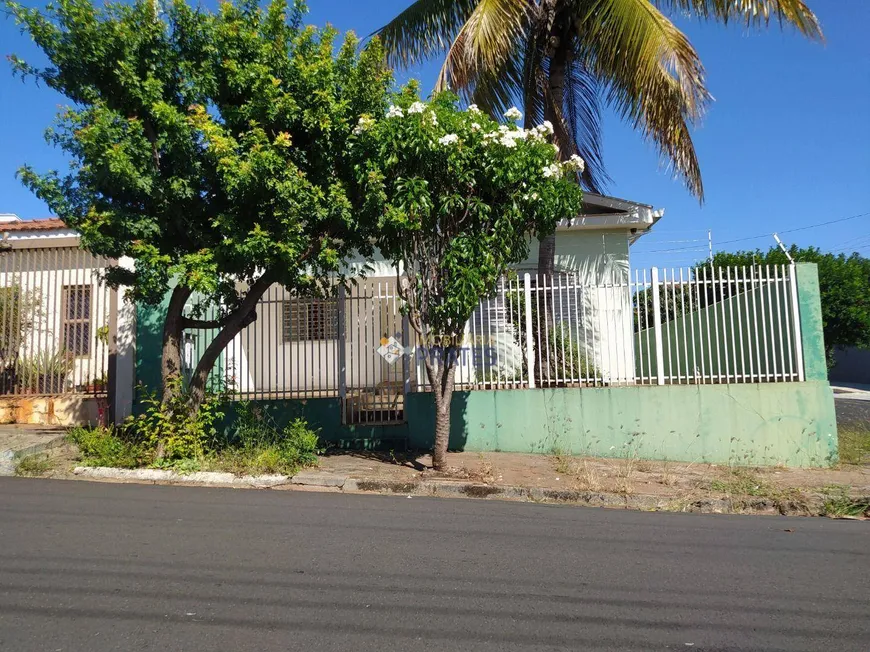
324	415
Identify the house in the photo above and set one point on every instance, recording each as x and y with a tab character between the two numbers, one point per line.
54	323
316	348
722	367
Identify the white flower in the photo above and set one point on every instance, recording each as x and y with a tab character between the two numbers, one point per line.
362	124
575	163
475	126
395	112
552	170
507	141
534	195
431	118
417	107
473	108
449	139
517	134
504	129
513	113
546	127
491	135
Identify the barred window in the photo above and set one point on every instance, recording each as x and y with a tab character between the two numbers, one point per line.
77	319
310	319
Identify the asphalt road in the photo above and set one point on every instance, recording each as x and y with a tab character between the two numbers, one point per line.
852	412
92	567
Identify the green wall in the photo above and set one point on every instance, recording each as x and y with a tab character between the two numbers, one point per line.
791	424
759	424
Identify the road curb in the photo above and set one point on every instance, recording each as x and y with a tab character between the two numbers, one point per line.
326	481
205	478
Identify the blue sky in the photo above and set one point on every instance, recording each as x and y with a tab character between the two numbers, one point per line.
786	144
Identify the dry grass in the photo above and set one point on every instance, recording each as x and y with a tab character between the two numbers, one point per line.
586	478
854	442
33	466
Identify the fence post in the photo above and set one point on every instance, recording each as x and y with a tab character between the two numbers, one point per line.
124	342
406	358
530	349
657	327
796	320
810	339
342	352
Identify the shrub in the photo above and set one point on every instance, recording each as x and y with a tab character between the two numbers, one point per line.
172	429
260	446
109	447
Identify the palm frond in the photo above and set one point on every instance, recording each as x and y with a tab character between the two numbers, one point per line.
485	43
651	74
753	13
583	117
424	29
495	91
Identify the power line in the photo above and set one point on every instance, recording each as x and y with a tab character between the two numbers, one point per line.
765	235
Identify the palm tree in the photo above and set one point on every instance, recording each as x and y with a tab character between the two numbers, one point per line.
566	59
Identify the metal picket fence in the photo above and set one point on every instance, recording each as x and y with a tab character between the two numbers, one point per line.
55	312
656	327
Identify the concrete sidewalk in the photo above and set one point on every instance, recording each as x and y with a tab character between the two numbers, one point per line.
17	441
851	391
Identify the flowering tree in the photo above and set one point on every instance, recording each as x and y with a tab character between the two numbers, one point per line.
456	197
210	147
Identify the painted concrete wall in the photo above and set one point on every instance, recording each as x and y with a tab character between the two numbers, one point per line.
792	424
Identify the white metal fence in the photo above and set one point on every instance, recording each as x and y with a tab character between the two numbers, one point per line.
55	312
689	326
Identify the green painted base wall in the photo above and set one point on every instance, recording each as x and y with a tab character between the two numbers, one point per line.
764	424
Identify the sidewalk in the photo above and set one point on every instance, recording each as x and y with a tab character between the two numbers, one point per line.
18	441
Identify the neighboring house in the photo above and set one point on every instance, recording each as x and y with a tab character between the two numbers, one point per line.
54	312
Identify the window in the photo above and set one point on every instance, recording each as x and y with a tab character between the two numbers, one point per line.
310	319
77	319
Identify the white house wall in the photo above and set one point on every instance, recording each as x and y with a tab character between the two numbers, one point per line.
43	273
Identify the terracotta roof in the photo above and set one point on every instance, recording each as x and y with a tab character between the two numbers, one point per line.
33	225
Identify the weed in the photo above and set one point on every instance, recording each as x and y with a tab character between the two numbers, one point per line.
854	443
644	466
172	429
33	465
742	482
586	478
109	447
667	477
839	504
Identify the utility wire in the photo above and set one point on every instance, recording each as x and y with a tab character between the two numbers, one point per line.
765	235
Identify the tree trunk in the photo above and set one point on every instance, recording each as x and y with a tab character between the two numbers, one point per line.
206	363
173	330
231	325
442	378
556	91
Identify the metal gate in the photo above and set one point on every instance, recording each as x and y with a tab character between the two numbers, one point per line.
374	353
56	314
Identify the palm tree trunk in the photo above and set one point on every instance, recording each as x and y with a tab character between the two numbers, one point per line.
556	91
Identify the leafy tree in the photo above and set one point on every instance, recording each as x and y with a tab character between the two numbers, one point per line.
844	283
567	58
211	148
456	197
